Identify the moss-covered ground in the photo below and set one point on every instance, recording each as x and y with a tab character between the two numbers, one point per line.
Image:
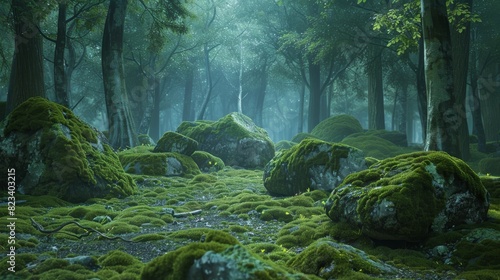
279	230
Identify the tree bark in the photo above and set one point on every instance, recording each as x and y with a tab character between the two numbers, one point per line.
60	80
26	79
121	127
314	95
421	90
208	94
475	102
375	89
188	95
300	127
443	121
460	42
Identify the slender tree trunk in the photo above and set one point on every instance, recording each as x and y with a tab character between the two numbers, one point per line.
121	127
314	95
375	89
460	42
475	102
240	81
421	90
188	95
443	125
208	95
60	79
154	128
302	101
26	79
261	94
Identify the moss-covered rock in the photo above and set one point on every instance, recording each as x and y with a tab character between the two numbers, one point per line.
142	161
207	162
409	196
56	153
283	145
336	128
311	165
218	256
490	166
234	138
329	259
372	146
301	136
175	142
146	140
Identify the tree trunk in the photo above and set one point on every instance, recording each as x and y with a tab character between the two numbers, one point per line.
60	80
154	128
314	95
421	90
443	121
261	94
188	95
475	102
460	42
301	107
121	127
375	89
208	95
26	79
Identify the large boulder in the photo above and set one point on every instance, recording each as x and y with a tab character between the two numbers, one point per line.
336	128
56	153
311	165
175	142
410	196
234	138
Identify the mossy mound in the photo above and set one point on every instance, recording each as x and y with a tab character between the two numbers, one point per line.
492	185
283	145
207	162
336	128
311	165
409	196
234	138
55	153
490	166
175	142
372	146
329	259
142	161
301	136
145	140
217	256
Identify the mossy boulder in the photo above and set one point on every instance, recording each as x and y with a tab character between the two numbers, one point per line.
207	162
283	145
410	196
336	128
146	140
490	166
372	146
329	259
311	165
234	138
301	136
55	153
217	256
142	160
175	142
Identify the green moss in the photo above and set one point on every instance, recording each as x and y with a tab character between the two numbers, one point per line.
50	264
330	262
490	166
372	146
68	147
204	178
175	142
117	258
283	145
238	228
118	227
336	128
483	274
406	182
298	160
301	136
276	213
140	160
207	162
148	237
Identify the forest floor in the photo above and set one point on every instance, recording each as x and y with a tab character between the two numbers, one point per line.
231	200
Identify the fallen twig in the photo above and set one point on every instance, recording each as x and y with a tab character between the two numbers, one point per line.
88	230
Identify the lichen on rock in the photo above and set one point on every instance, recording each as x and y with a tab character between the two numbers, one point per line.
56	153
311	165
410	196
